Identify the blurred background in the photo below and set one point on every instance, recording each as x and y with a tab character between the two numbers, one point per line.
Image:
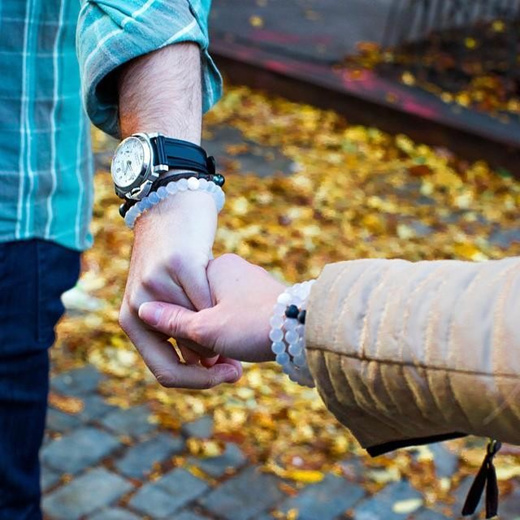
348	129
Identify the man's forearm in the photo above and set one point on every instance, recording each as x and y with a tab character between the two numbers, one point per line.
161	92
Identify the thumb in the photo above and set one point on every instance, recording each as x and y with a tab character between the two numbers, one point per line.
172	320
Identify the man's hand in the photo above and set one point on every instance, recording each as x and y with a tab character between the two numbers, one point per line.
171	250
238	325
161	92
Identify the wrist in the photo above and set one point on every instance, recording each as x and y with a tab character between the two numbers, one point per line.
188	200
180	207
287	334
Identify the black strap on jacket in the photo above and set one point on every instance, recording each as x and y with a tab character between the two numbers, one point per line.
486	478
381	449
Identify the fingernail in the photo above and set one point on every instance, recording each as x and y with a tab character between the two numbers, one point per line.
231	375
151	313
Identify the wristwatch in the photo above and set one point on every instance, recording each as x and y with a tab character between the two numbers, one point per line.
141	158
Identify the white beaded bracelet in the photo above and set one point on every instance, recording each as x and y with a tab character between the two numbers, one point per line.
288	334
191	184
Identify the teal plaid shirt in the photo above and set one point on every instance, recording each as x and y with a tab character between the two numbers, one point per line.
45	159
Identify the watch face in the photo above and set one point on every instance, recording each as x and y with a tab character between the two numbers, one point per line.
128	162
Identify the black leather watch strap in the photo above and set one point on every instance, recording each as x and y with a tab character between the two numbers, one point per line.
182	155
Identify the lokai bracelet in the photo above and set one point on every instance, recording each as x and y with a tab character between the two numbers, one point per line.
288	332
217	178
190	184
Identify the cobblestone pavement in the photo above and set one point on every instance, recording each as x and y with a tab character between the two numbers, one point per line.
96	466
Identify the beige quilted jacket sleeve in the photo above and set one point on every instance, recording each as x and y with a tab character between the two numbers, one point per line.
404	351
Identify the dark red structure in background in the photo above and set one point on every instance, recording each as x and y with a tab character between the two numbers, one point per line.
273	60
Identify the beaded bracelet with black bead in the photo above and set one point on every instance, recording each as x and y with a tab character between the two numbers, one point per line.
175	186
288	332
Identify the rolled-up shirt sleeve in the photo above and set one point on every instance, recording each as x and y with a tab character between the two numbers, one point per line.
113	32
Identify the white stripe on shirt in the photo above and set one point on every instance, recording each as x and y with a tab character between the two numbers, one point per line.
23	130
30	172
54	180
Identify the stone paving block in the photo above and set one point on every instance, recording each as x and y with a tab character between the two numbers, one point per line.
420	229
133	421
94	407
428	514
153	501
384	502
446	462
353	469
139	460
170	493
509	506
77	382
58	421
183	485
504	238
48	478
85	494
79	450
325	500
232	500
200	429
217	466
114	513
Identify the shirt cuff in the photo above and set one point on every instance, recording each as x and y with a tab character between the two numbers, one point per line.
113	32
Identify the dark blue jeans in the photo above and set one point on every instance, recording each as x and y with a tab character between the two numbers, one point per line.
33	275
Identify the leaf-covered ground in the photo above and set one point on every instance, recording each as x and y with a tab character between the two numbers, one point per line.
353	192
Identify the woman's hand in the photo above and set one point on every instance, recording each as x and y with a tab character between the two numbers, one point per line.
237	326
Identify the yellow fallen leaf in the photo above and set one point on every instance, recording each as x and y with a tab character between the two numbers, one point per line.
405	232
405	507
197	472
306	476
67	404
292	514
240	206
256	21
466	250
384	476
508	472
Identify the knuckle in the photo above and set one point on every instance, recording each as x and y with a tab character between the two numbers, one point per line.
149	282
170	321
176	263
230	258
132	303
198	331
124	318
210	382
180	264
